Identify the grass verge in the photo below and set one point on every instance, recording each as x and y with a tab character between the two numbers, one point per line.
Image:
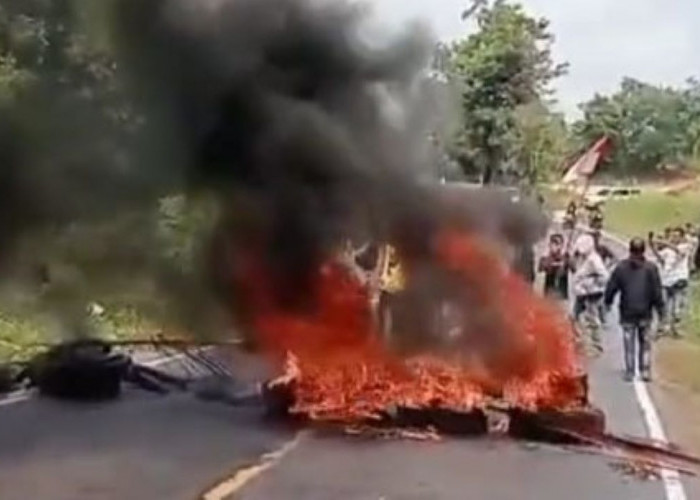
652	211
22	335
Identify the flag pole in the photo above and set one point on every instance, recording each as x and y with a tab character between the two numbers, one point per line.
578	201
584	168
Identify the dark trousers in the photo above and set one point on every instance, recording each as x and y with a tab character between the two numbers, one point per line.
637	340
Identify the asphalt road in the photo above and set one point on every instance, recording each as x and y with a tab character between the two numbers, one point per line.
332	468
177	447
142	447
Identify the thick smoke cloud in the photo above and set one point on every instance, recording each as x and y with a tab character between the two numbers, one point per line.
285	100
306	131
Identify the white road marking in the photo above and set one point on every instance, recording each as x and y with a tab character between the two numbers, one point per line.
14	397
671	479
20	396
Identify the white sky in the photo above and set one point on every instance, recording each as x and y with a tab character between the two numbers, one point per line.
657	41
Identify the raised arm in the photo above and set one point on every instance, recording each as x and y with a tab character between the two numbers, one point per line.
654	247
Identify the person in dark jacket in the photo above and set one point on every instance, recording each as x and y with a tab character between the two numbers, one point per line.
639	285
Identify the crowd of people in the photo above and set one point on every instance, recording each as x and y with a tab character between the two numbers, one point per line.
651	284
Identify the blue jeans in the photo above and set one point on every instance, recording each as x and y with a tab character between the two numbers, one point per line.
637	341
676	302
588	318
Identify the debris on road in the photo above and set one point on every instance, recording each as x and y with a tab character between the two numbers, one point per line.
582	426
635	469
546	425
89	369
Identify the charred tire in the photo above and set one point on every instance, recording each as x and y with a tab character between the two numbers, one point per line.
80	379
80	371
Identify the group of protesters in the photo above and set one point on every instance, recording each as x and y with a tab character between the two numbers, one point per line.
652	284
576	271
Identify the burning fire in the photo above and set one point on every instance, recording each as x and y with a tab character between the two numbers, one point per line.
340	370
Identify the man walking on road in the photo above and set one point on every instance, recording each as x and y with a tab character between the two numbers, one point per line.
639	285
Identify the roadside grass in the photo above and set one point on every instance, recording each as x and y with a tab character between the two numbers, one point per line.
554	199
18	337
24	334
652	211
692	326
679	360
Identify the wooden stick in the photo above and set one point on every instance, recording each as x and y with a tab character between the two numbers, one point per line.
157	342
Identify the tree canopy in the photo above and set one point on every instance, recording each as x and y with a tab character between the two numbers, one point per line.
651	126
504	71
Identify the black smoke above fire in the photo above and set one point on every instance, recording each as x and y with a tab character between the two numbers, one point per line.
305	126
284	103
289	103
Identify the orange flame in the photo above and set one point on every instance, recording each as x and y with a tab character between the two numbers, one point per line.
340	370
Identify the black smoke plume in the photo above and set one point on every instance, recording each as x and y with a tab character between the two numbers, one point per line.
305	129
284	100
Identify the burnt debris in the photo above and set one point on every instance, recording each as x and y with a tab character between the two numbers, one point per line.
551	425
89	370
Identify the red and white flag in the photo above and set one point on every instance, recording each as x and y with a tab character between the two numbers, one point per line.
587	164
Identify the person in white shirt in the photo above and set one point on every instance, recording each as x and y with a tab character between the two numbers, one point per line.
665	257
674	260
589	280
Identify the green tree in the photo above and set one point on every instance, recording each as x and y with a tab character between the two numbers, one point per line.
651	126
504	65
62	100
542	142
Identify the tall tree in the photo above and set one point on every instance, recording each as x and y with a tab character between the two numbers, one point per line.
504	65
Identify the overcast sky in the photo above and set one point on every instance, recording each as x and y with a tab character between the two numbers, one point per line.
657	41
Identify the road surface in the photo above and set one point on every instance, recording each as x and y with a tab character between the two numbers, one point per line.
323	468
175	447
